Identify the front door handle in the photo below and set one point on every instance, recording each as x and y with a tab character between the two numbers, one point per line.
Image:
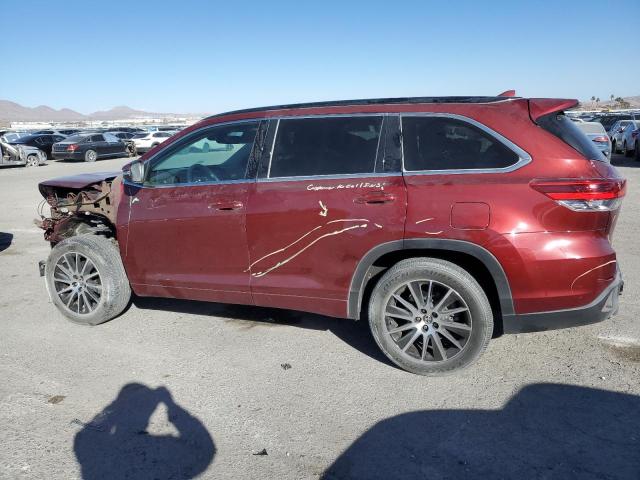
375	198
226	205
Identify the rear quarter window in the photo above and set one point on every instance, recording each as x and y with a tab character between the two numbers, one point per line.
562	127
443	143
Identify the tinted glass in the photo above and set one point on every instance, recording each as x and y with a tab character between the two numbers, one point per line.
25	139
325	146
110	138
441	143
75	138
567	131
216	154
140	135
97	138
592	127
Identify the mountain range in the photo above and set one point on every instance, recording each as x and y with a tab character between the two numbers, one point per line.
14	112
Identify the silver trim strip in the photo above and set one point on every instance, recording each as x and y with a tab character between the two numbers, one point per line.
192	184
523	157
330	177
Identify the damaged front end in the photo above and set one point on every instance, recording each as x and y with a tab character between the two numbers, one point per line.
85	204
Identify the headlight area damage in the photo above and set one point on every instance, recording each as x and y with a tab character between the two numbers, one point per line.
82	204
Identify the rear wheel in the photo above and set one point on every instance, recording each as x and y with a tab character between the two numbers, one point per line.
90	156
430	316
614	149
627	153
86	279
636	151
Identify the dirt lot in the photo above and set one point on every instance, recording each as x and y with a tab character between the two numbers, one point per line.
176	389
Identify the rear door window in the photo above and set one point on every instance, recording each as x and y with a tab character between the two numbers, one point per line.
444	143
97	138
325	146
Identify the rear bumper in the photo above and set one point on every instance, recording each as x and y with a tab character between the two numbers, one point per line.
68	155
603	307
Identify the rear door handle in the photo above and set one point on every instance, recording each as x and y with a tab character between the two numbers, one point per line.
226	205
375	198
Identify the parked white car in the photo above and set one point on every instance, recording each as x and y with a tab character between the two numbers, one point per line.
596	132
146	141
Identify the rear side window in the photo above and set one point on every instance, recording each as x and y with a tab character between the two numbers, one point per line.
97	138
559	125
325	146
443	143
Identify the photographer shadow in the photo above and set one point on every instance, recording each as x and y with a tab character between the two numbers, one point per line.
116	443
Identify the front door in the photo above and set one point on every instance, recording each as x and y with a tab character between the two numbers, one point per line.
326	198
187	234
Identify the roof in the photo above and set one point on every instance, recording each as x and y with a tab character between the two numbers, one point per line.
370	101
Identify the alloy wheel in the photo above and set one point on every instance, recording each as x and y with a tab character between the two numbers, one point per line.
77	283
428	321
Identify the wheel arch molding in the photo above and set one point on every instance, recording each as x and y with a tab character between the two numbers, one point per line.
369	267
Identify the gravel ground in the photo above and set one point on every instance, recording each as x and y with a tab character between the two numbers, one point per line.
176	389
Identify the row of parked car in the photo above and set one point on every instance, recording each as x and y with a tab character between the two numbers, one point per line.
34	148
613	133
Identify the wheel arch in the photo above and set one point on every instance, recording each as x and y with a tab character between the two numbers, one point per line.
480	263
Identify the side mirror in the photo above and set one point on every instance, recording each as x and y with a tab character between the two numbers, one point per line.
135	172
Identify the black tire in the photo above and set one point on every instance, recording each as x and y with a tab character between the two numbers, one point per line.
445	274
90	156
613	147
636	151
104	258
32	161
627	153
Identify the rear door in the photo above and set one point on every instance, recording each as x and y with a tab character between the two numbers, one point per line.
324	197
114	146
187	235
99	144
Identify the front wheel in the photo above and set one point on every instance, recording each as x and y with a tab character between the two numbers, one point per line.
614	149
86	279
90	156
627	152
430	316
636	151
33	161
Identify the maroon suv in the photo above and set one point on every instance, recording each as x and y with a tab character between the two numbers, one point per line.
444	221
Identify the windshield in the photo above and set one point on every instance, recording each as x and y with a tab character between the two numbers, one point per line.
569	132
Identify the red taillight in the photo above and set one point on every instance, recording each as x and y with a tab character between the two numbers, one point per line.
72	148
583	195
601	139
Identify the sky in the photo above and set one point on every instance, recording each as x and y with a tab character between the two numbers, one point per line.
197	56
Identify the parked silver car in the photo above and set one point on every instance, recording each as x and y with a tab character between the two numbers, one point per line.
629	138
598	135
616	132
20	155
